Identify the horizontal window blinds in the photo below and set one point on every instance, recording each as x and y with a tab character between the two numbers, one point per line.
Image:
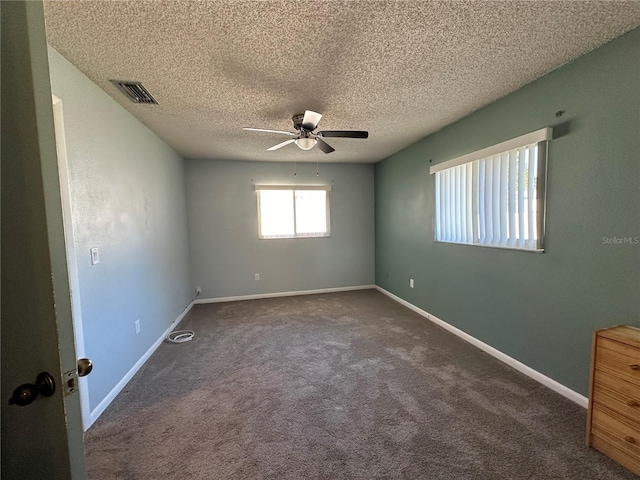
494	201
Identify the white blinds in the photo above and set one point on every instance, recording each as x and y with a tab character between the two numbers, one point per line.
494	201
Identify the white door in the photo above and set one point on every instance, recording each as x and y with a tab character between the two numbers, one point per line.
42	440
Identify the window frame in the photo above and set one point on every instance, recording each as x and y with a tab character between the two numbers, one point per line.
539	138
293	189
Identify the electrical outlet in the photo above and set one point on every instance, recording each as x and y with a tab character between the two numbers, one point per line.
137	326
257	276
411	282
198	290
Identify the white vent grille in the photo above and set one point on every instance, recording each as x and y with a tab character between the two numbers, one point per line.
136	92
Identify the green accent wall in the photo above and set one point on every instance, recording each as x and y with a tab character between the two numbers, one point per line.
540	309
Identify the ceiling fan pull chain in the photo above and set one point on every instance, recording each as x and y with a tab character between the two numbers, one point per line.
317	170
295	168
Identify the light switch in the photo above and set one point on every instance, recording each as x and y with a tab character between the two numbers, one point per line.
95	258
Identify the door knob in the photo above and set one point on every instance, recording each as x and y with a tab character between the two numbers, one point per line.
28	392
84	367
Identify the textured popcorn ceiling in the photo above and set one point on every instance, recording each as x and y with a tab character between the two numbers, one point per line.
400	70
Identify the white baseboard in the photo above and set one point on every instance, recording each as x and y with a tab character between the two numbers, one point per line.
102	406
512	362
283	294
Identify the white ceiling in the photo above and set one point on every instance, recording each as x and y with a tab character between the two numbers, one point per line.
400	70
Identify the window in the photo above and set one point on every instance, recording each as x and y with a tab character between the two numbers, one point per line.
494	197
293	211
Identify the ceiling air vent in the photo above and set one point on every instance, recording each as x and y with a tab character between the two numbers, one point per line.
135	91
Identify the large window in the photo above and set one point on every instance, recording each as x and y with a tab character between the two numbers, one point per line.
293	211
494	197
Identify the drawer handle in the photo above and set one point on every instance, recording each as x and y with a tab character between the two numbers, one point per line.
634	366
633	403
630	439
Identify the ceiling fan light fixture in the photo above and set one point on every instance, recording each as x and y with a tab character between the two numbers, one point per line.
306	143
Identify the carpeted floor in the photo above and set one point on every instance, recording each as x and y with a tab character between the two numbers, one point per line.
337	386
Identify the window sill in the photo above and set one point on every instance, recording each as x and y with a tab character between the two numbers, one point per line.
294	237
518	249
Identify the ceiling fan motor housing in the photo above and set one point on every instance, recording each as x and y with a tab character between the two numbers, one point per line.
297	121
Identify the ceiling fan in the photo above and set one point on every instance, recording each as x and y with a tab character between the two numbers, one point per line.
305	138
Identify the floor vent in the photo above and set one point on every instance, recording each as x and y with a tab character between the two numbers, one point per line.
135	91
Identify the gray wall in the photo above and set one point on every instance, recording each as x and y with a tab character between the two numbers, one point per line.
223	229
128	198
538	308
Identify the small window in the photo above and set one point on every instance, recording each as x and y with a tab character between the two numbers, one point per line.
494	197
293	212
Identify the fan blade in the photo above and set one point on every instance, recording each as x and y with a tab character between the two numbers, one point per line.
269	131
280	145
324	146
310	120
344	133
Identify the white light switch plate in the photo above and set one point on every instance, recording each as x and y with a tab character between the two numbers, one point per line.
95	257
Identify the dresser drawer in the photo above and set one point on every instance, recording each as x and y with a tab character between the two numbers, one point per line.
617	395
616	429
618	359
629	461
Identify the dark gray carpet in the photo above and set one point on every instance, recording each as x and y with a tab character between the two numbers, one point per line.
337	386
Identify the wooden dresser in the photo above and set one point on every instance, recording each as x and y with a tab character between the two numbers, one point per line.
613	421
